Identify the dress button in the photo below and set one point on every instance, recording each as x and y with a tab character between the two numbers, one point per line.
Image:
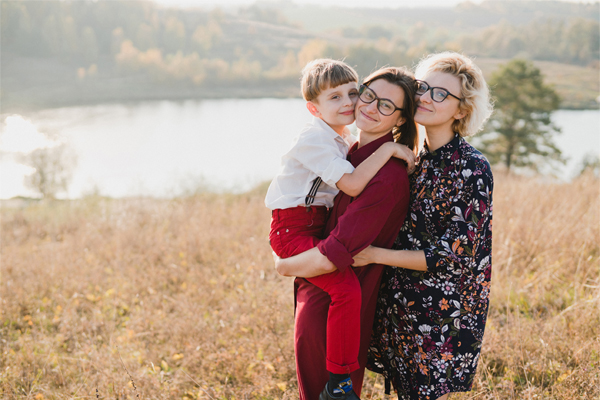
287	230
278	232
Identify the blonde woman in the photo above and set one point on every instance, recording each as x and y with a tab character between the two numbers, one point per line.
433	301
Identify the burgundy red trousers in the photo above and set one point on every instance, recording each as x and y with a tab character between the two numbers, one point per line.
312	305
293	231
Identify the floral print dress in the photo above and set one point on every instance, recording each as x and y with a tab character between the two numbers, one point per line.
429	325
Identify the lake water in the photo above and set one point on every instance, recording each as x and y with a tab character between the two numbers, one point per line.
166	148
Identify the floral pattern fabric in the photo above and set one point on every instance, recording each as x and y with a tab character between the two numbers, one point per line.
429	325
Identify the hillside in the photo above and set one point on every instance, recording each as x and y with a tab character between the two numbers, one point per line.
64	53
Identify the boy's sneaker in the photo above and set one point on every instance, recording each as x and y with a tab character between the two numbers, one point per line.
343	391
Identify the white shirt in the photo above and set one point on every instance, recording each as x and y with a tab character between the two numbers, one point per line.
318	151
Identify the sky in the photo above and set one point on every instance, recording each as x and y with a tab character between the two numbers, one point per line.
341	3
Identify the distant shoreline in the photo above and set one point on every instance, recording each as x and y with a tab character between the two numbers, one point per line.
25	88
46	104
51	99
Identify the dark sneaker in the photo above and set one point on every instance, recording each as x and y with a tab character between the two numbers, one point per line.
350	395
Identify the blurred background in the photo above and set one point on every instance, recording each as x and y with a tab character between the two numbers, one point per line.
172	97
151	283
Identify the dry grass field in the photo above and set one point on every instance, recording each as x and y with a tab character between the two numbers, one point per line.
178	299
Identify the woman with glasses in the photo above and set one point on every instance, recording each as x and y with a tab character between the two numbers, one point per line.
433	302
384	112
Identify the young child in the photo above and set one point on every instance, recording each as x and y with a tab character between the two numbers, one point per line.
312	173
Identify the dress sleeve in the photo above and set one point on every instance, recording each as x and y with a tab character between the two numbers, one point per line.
467	241
322	156
362	221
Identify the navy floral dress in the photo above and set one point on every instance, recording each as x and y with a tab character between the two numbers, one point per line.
429	325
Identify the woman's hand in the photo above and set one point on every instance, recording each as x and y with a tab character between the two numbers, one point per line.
365	257
408	259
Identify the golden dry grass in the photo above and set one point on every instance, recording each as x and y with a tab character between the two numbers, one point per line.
184	292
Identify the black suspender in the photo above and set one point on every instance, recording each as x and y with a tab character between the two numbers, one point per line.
310	197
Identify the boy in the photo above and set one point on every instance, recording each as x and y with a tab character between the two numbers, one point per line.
300	195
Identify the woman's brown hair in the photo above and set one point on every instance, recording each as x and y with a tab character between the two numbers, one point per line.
407	133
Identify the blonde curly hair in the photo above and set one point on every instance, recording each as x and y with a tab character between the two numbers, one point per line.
476	102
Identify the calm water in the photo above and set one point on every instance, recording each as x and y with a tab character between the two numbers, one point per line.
166	148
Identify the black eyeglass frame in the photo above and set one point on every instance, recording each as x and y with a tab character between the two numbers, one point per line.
361	90
430	90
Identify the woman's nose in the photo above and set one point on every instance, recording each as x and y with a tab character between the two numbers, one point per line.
372	107
426	97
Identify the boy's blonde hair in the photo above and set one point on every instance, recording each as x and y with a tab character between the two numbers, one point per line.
474	90
324	73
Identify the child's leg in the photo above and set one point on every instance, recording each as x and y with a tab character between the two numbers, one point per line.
343	320
310	334
295	230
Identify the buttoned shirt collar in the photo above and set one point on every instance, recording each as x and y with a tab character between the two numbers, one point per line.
346	135
437	153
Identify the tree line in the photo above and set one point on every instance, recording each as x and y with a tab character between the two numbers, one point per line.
140	44
257	43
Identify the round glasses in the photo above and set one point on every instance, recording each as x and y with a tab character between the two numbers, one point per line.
385	106
438	94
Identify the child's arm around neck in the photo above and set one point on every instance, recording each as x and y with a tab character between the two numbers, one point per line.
354	183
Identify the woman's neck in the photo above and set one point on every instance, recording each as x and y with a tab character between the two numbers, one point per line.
365	138
437	137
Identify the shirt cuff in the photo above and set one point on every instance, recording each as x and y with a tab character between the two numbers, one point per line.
335	170
336	253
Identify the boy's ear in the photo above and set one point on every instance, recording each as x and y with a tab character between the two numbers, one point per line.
313	109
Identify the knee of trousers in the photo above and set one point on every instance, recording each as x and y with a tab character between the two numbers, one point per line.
347	293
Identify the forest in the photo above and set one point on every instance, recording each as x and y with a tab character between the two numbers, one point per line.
65	53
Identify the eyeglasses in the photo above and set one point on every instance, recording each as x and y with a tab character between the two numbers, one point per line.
386	107
438	94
